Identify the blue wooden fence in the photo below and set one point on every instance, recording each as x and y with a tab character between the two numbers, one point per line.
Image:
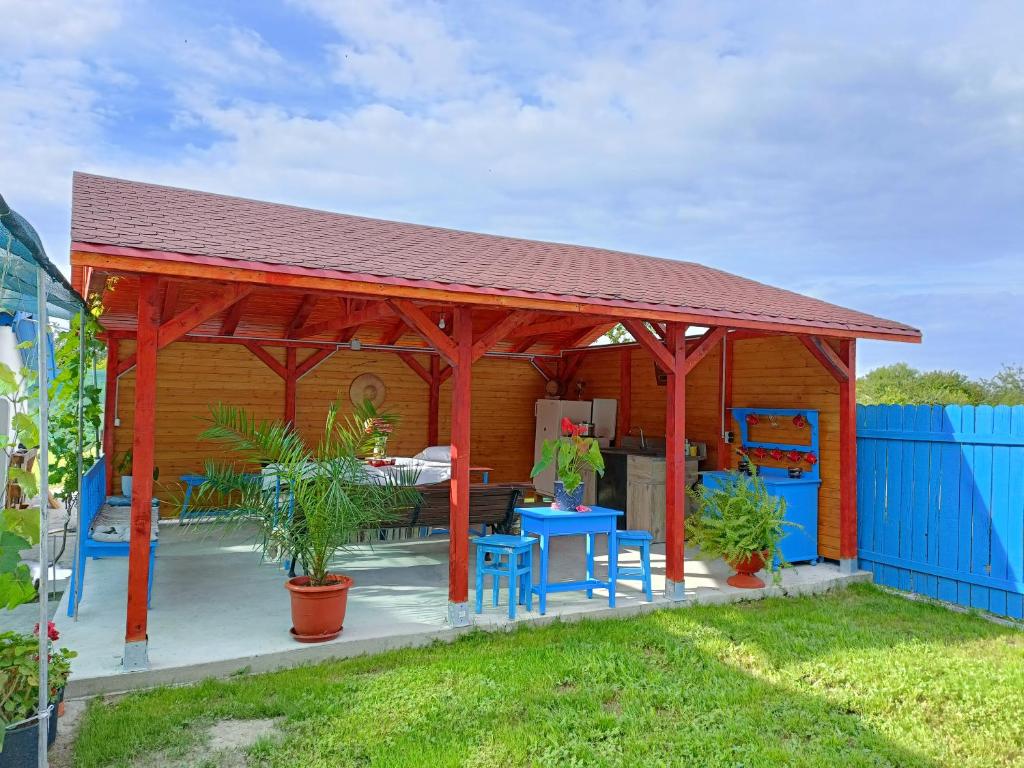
940	502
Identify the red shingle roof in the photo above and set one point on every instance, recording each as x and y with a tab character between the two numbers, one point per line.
116	212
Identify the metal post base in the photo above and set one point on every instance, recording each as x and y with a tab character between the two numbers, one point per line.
847	566
675	590
458	615
136	656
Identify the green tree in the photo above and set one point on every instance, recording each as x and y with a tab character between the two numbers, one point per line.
901	384
1006	387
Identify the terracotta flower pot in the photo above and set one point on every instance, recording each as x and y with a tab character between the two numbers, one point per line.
745	570
318	613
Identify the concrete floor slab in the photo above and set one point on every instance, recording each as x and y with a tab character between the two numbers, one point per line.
217	609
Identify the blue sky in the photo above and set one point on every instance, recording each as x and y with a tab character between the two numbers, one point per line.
870	154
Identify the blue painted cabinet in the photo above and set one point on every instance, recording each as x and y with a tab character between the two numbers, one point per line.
799	545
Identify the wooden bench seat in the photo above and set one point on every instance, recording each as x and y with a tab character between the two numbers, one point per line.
490	504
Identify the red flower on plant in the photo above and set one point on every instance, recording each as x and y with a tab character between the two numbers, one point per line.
51	631
566	426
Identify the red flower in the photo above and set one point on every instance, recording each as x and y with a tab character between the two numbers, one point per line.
566	426
51	631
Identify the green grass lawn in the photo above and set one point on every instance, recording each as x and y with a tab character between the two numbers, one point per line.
855	678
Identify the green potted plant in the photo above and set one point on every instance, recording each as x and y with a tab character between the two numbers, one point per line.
19	694
571	453
741	523
124	468
328	495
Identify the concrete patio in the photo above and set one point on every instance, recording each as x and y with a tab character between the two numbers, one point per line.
218	610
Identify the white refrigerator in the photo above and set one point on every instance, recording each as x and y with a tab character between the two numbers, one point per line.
549	415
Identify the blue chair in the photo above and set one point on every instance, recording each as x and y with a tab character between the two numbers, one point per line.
92	498
511	558
641	539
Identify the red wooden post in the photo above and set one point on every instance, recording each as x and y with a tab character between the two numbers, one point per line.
724	457
675	466
110	412
135	655
458	525
625	395
433	404
290	380
848	457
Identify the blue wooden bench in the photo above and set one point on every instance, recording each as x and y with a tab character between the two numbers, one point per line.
91	499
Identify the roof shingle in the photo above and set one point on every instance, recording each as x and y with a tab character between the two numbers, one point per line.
116	212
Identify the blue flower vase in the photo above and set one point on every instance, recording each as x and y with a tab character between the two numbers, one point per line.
568	501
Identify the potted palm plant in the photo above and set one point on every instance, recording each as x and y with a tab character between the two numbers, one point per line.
310	502
740	522
571	453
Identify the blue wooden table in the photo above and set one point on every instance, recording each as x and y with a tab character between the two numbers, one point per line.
545	522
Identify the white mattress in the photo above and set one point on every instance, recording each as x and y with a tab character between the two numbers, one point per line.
427	472
114	524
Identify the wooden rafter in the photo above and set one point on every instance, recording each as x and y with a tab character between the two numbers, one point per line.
643	335
590	335
232	318
418	320
827	356
306	307
370	314
391	335
561	325
170	301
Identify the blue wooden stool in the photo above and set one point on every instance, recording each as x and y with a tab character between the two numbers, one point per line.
517	567
640	539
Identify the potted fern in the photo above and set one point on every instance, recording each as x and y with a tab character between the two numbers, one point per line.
327	495
740	522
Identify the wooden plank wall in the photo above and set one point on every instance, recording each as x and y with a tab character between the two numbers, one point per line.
940	502
191	376
770	372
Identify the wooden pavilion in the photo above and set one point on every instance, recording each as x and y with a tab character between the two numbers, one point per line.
212	298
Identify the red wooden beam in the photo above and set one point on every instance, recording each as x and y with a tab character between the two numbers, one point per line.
446	373
306	307
625	395
369	314
414	364
110	412
312	362
724	456
394	333
268	359
675	465
705	344
232	318
200	312
590	335
170	302
499	331
417	319
144	435
458	525
827	356
290	380
434	401
662	357
561	325
545	370
848	453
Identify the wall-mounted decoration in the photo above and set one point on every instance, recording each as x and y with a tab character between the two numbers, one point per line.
367	386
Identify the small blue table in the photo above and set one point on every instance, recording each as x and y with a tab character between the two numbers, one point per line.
545	522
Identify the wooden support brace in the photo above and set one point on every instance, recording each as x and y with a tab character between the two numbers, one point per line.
312	362
268	359
200	312
500	331
662	357
704	345
417	319
370	314
306	307
827	356
417	368
232	318
170	302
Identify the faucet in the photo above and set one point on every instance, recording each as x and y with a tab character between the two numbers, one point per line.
643	442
